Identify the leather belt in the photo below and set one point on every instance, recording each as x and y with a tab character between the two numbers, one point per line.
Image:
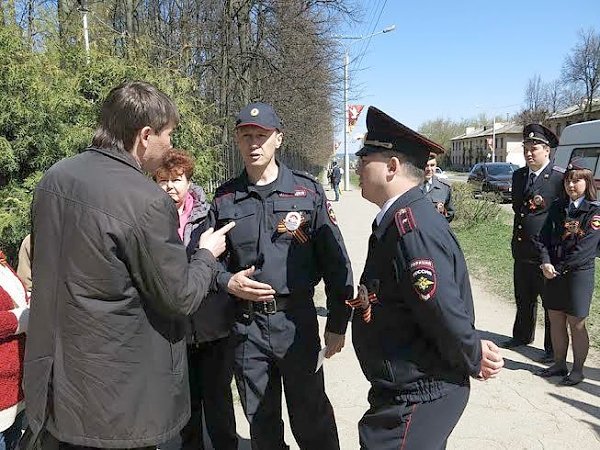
272	306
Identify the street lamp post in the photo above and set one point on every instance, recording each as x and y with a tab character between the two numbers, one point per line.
346	79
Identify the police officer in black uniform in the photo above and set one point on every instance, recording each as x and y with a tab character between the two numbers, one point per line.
534	188
438	191
286	240
413	325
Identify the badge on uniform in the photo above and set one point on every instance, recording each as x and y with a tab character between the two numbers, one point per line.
292	224
441	208
363	302
595	223
331	213
423	277
536	202
573	228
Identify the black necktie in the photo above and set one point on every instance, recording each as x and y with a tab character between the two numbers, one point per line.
530	182
572	210
374	226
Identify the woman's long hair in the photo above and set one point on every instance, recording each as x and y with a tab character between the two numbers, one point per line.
585	174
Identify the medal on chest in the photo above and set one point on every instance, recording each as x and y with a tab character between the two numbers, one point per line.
536	202
292	223
572	229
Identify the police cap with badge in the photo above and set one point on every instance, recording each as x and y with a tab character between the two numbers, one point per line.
384	133
536	133
260	115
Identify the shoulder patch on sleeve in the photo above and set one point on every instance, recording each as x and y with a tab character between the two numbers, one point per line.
423	278
559	169
405	222
595	222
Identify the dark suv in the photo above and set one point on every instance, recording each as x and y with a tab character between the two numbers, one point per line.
493	177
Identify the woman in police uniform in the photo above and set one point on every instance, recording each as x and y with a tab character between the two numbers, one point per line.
567	244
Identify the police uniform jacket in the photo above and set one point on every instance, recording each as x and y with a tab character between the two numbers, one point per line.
420	340
531	208
292	262
441	192
570	242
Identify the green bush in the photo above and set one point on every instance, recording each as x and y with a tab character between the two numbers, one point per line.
470	211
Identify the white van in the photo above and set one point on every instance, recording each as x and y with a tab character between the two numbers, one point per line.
580	141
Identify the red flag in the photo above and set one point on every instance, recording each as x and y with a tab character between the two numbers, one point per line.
352	114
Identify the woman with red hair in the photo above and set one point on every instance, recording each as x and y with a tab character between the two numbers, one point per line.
14	314
210	353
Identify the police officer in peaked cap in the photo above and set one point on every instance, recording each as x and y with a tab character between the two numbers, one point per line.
534	188
286	241
413	325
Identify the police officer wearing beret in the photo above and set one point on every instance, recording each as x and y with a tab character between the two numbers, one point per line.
413	326
286	241
534	188
438	191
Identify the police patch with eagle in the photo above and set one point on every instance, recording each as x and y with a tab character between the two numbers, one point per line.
423	278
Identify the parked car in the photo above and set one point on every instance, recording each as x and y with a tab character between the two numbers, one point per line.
492	177
581	142
440	173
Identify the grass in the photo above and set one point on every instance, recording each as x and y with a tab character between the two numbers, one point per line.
487	250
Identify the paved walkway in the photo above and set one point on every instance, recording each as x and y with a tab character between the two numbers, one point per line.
517	410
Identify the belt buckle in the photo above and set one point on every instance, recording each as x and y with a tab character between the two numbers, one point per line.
270	307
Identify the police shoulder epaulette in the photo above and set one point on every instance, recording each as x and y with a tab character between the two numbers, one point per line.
226	188
445	182
306	175
405	221
559	169
595	203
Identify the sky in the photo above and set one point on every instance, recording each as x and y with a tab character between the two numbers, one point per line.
458	59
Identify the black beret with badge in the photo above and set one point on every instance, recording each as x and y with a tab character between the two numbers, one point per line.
260	115
385	133
534	132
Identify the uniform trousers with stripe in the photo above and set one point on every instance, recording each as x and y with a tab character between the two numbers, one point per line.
392	423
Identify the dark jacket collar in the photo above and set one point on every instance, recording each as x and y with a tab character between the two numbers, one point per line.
124	157
409	197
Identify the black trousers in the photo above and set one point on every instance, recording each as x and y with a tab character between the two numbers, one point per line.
529	285
400	425
278	349
210	366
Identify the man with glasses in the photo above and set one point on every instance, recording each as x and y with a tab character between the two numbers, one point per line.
535	187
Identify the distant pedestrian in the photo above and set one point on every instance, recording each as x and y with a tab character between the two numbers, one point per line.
534	188
413	327
568	245
335	178
438	191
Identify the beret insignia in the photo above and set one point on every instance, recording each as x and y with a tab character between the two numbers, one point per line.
423	278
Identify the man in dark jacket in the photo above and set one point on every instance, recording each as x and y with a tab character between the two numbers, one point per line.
534	188
413	327
105	361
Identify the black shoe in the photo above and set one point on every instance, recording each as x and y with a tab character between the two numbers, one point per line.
552	372
571	379
513	343
547	358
